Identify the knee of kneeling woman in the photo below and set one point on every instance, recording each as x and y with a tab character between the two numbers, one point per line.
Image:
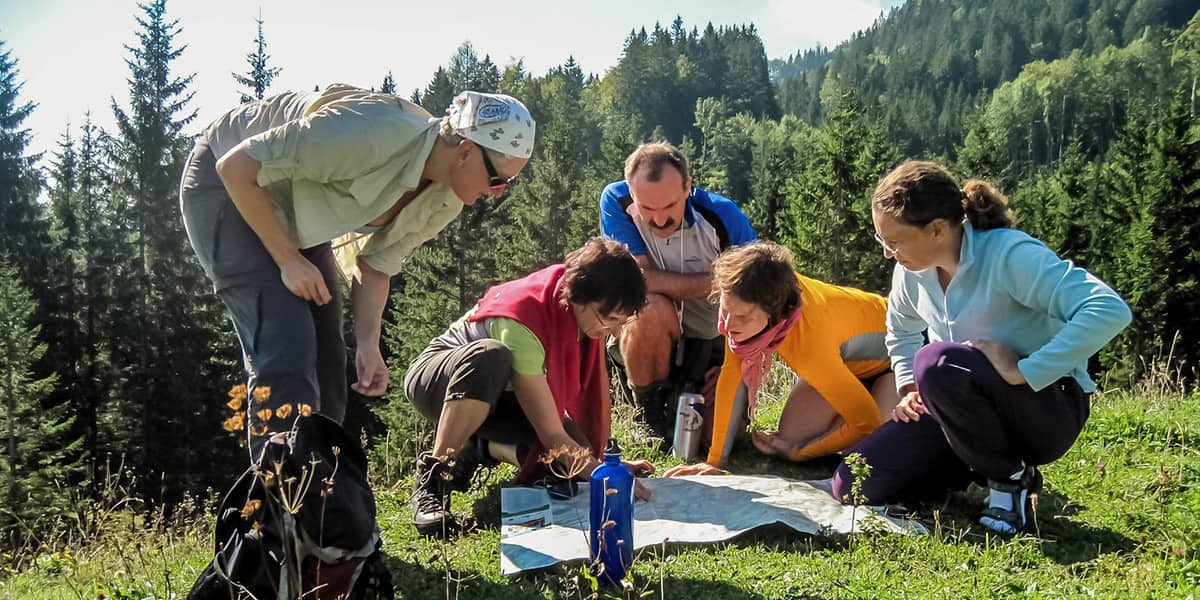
935	366
842	484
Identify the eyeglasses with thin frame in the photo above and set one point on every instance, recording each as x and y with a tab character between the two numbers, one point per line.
498	185
610	322
886	248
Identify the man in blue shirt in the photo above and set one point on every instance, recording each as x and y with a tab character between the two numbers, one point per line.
675	232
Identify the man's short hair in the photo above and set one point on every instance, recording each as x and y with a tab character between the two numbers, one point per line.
651	157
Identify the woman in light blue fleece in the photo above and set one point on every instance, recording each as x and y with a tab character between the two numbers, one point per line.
1011	326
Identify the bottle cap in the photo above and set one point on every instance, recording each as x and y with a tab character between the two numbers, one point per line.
611	447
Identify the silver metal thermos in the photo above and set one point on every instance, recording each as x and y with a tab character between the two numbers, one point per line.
689	426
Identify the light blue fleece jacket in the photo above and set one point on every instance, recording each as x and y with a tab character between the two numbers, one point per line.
1009	288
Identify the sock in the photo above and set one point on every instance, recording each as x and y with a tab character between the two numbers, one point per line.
1001	500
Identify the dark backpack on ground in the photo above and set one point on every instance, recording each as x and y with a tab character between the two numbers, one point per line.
300	520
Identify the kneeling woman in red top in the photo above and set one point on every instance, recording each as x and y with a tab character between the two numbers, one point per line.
522	372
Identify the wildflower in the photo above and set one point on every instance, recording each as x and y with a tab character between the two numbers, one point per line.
251	507
550	455
258	429
234	423
261	393
566	462
283	411
234	403
238	392
305	410
264	414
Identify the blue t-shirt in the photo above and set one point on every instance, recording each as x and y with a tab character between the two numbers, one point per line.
711	221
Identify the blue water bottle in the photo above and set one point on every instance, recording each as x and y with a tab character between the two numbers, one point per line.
611	534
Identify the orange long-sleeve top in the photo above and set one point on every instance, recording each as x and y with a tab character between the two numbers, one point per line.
837	342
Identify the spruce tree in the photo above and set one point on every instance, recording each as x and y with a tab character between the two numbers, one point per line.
104	249
23	228
172	340
389	84
1158	262
258	79
830	229
38	460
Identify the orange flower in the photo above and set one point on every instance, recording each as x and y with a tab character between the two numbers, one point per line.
262	392
283	411
250	508
238	391
264	414
234	423
258	430
305	410
234	403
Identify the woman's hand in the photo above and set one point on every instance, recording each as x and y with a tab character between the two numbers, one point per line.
909	409
696	469
773	445
304	279
372	371
1003	359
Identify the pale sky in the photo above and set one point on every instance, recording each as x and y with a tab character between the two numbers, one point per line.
71	56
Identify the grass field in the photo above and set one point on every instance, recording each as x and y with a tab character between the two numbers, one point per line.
1119	518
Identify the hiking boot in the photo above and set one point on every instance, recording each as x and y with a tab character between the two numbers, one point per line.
465	464
656	403
431	497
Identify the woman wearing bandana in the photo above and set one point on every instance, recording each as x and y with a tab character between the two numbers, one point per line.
830	336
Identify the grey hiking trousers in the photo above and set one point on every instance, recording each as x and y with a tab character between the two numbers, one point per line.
290	345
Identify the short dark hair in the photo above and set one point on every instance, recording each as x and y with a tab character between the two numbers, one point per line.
603	271
761	273
652	157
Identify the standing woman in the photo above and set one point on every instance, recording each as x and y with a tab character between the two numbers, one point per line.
830	336
271	183
1002	387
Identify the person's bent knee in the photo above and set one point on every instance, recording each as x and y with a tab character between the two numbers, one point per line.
483	371
842	484
657	318
943	366
842	487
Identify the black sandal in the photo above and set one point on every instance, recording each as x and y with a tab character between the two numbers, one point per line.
1010	522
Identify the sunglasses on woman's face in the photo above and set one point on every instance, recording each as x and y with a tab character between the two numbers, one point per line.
498	185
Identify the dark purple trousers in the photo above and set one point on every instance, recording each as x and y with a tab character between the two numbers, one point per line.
978	427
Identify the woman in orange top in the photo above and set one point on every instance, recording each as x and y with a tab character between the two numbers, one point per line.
830	336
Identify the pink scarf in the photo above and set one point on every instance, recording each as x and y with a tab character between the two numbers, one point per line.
756	353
